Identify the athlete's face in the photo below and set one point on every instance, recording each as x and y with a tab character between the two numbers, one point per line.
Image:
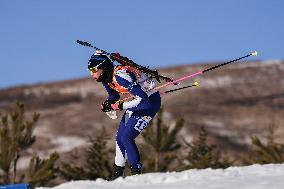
96	74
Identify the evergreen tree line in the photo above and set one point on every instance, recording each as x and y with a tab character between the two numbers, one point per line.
16	135
163	150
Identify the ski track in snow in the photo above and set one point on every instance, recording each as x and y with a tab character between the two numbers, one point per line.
269	176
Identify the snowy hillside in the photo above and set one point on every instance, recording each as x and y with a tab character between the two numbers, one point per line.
251	177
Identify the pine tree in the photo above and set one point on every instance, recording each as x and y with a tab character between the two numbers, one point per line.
7	150
97	162
269	153
163	141
42	171
71	172
15	136
201	155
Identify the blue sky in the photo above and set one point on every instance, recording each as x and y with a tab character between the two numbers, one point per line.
37	38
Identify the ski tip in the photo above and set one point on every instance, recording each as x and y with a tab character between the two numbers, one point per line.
254	53
196	83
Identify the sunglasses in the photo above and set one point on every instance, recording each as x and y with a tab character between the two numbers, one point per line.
95	69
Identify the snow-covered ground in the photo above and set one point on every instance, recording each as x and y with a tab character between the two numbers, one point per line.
253	177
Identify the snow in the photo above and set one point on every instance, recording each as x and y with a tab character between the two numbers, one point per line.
214	124
66	143
250	177
218	82
61	144
83	89
23	162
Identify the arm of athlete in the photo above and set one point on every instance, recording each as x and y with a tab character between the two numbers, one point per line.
112	94
140	101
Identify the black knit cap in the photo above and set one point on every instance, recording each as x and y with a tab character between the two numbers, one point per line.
99	62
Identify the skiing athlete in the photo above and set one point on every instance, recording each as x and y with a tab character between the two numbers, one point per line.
142	105
140	110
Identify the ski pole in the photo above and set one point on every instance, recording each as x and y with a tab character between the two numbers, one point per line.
196	84
196	74
204	71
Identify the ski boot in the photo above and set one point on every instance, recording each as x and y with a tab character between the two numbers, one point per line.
117	172
136	169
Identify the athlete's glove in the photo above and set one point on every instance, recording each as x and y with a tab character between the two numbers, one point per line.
110	105
106	105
